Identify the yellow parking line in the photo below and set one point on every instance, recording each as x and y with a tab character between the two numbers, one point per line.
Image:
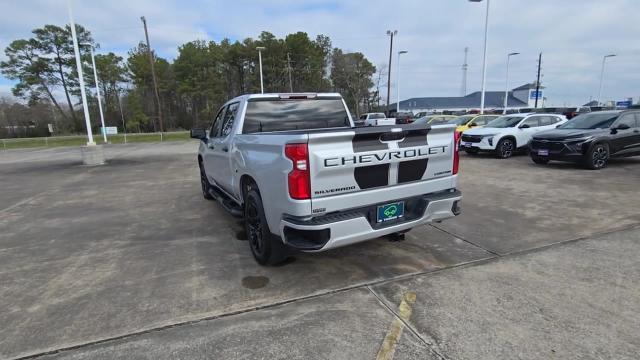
388	346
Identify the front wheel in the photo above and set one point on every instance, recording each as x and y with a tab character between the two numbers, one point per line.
265	247
597	157
505	148
204	183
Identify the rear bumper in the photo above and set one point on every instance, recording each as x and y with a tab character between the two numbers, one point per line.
356	225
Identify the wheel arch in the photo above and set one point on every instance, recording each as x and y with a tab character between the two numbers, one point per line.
511	137
246	182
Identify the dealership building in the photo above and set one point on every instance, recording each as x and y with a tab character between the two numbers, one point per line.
521	97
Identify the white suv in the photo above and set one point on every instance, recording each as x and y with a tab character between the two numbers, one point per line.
508	133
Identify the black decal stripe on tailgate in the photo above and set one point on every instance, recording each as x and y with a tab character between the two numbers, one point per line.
368	142
412	170
414	138
372	176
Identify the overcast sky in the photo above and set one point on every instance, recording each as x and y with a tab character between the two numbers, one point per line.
572	34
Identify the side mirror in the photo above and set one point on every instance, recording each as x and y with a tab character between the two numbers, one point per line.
199	134
473	125
557	126
524	126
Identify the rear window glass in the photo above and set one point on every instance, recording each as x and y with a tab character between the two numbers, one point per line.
281	115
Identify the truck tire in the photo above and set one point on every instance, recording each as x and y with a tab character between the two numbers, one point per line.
266	248
204	183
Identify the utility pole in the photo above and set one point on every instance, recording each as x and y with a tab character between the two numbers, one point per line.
392	34
153	74
538	80
289	69
124	125
465	66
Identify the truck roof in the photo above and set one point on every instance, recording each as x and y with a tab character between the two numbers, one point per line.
307	95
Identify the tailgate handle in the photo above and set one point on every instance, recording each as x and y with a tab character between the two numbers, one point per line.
392	136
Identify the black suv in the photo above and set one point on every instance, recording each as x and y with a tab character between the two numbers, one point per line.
590	139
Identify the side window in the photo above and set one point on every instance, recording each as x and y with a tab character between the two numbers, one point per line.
628	119
533	121
481	120
637	119
548	120
217	122
363	117
229	119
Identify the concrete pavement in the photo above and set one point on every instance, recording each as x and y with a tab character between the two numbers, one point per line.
119	254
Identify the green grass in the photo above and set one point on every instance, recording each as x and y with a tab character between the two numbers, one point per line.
82	140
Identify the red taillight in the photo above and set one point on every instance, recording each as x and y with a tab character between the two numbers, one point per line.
456	148
299	181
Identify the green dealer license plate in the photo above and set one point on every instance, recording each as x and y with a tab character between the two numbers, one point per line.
390	211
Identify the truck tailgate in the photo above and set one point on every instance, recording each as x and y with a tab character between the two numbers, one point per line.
362	166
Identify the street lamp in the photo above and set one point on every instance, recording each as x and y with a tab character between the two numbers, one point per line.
506	87
80	77
391	34
484	56
95	77
398	90
260	48
602	77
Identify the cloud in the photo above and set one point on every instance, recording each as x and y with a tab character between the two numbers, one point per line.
573	36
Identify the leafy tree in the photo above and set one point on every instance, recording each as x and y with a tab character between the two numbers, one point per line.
351	75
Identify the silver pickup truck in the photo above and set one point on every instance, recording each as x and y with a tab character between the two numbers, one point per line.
304	178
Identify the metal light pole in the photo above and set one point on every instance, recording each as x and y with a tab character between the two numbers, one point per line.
95	77
260	48
506	86
602	77
76	51
392	34
484	56
398	75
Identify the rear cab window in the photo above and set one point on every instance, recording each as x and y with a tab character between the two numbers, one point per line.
267	115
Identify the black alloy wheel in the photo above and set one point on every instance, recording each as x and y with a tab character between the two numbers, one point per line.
598	157
505	148
266	248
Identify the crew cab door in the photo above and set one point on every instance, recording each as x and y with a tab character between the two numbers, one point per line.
209	151
217	160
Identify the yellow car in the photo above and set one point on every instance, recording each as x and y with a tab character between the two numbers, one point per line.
466	122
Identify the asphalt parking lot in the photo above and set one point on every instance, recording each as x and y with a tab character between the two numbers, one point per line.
128	261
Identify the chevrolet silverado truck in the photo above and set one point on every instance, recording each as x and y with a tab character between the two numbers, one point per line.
304	178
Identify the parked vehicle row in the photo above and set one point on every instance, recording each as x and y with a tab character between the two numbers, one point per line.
591	138
507	134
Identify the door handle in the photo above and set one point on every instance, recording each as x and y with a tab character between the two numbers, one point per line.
636	131
225	149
